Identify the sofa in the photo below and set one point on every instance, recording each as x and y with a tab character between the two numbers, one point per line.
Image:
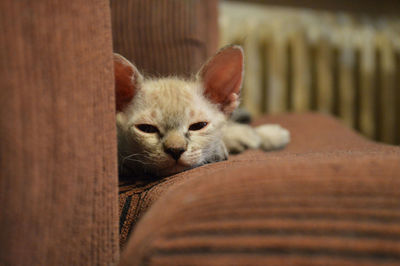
330	198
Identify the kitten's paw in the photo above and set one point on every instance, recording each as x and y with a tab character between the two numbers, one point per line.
217	153
273	136
239	137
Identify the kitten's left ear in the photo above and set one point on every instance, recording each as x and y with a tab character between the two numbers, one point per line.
222	77
127	81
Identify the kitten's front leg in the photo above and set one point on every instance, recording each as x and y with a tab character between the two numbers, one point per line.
272	136
239	137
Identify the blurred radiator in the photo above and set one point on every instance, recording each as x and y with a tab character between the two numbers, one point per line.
299	60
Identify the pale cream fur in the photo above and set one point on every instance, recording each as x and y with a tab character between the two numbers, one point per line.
171	105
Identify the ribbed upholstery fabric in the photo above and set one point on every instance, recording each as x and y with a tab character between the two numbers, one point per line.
330	198
165	37
58	172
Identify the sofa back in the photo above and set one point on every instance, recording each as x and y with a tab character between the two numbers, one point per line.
165	37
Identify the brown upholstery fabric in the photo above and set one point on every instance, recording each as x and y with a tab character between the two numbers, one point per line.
58	172
165	37
330	198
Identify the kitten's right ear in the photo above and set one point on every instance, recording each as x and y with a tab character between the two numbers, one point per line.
222	77
127	81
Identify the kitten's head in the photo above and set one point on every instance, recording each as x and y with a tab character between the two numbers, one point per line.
168	125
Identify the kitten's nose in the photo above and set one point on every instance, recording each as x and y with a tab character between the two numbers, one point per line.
175	152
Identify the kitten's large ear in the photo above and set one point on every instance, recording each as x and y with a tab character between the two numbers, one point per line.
127	81
222	77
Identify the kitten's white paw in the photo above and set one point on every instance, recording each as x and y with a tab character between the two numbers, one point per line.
273	136
239	137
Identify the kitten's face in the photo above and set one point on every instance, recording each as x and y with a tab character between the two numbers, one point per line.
170	127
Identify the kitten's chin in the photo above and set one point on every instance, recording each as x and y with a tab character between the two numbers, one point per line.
157	169
183	163
176	167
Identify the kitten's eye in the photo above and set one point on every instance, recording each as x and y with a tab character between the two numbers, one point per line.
147	128
197	126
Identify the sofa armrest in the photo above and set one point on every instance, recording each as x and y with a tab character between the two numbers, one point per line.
58	172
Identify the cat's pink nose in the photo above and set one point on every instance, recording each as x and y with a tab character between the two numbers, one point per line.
175	152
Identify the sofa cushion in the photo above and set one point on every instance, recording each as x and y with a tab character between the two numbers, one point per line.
330	198
324	158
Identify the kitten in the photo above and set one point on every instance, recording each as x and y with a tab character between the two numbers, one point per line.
168	125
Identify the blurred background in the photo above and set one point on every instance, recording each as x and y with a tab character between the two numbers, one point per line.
336	57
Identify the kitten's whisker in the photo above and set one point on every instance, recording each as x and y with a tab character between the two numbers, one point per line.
139	161
129	158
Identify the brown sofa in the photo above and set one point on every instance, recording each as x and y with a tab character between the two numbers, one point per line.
330	198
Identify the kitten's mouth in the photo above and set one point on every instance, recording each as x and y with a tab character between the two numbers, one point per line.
181	163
